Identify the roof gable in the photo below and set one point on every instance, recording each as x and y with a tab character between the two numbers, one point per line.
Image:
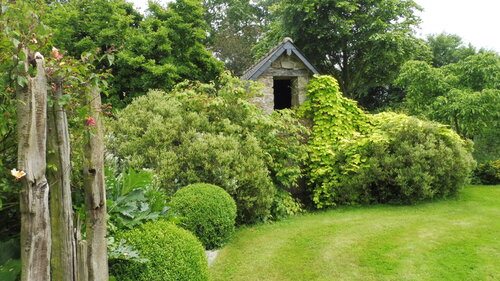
286	46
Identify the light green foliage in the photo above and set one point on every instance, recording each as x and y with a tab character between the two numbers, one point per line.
464	95
121	250
152	51
132	200
173	254
444	92
361	158
210	133
283	129
477	72
285	205
361	43
335	119
442	240
407	160
209	213
422	84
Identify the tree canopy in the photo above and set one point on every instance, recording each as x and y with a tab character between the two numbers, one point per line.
235	28
157	50
464	95
362	43
448	48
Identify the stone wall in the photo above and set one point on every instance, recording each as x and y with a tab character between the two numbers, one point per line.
266	100
285	67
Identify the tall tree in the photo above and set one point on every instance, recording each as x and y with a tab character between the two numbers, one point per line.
360	42
448	48
235	28
153	51
464	95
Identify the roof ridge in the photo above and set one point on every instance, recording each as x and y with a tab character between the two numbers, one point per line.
268	54
256	67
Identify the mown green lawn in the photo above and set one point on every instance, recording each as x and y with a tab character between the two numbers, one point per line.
454	239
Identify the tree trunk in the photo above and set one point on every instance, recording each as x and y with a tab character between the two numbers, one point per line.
34	196
95	194
346	75
63	259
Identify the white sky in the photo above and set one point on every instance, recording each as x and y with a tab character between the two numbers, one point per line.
476	21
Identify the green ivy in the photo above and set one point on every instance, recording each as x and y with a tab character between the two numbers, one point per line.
336	119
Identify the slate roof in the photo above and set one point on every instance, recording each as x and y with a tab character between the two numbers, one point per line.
260	66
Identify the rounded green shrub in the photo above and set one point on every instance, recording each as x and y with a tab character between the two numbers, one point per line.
488	172
209	210
172	253
404	160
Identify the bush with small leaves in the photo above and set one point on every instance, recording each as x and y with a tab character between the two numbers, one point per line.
209	212
406	160
488	172
358	158
211	133
172	253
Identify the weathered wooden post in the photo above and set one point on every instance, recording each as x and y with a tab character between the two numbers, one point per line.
95	193
63	259
34	196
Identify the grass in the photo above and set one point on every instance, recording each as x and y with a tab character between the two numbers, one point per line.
455	239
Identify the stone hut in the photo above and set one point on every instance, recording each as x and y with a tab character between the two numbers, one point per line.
285	72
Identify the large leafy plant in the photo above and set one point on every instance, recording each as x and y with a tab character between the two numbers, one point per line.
133	199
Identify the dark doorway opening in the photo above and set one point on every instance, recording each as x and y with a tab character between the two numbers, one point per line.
282	93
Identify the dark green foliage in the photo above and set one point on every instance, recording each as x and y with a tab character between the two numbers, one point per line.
10	263
154	51
360	42
211	133
173	254
209	213
488	172
448	48
236	26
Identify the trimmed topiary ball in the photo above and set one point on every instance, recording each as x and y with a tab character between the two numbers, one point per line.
173	253
209	210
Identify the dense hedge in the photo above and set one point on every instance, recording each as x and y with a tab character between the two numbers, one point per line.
172	253
211	133
357	158
405	160
488	172
209	210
